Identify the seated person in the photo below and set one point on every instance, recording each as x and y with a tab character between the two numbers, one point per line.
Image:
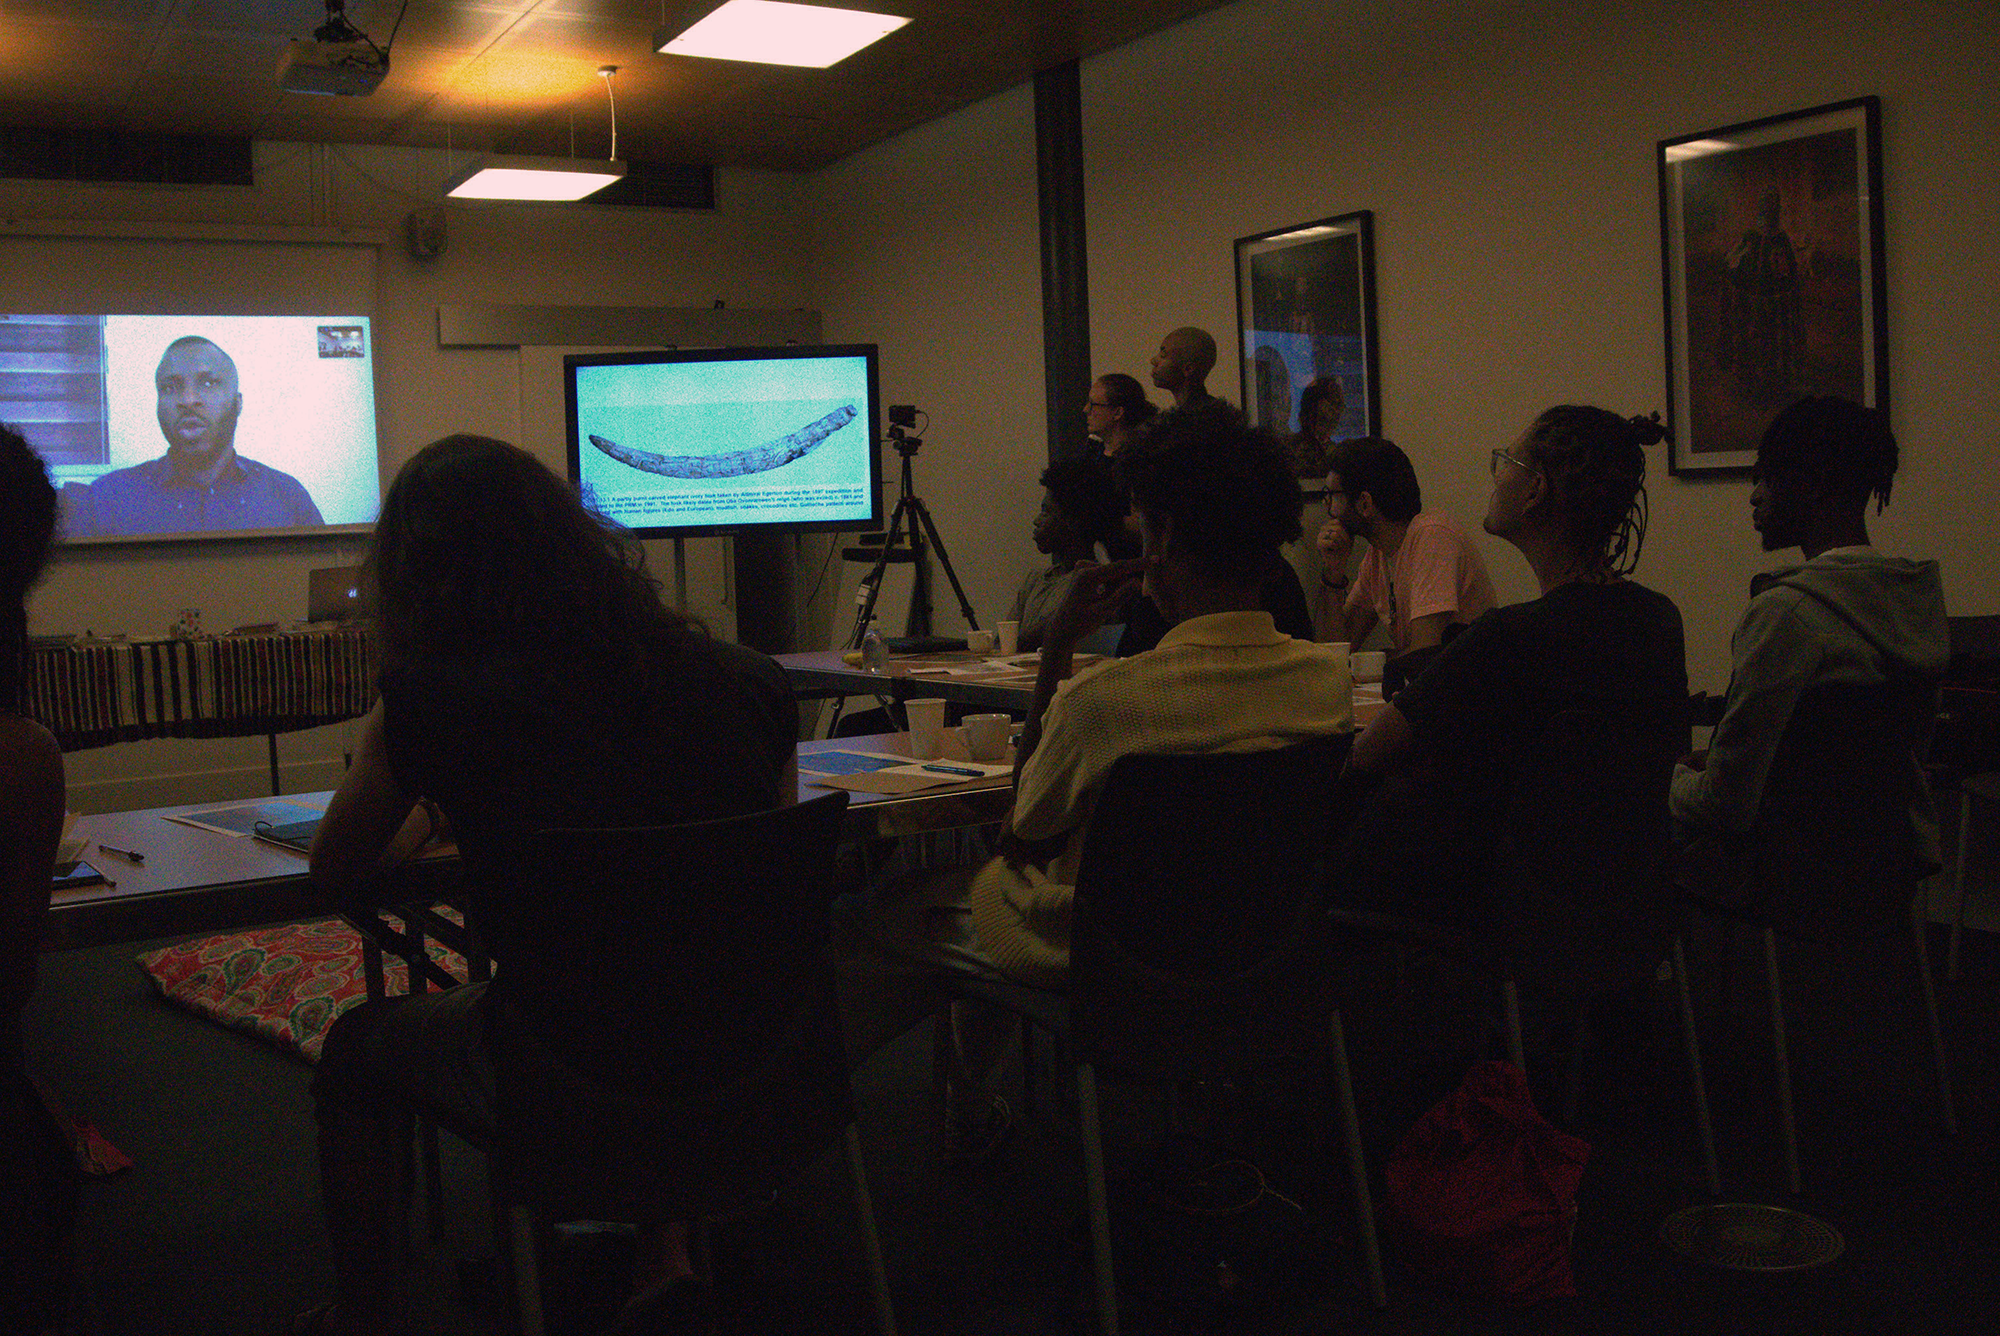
1082	507
532	678
1421	574
1116	409
1213	499
38	1184
1570	494
1849	614
1278	591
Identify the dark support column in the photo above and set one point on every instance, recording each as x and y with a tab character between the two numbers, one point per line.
1065	283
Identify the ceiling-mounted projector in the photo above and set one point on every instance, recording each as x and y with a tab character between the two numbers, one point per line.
339	60
337	69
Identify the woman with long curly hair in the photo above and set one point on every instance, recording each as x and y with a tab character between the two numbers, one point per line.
532	679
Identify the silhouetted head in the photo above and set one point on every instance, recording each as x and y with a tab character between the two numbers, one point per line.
1578	473
479	547
1212	494
1819	462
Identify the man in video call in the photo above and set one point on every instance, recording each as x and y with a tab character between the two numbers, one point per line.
201	484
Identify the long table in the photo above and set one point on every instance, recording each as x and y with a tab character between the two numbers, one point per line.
826	672
94	693
195	880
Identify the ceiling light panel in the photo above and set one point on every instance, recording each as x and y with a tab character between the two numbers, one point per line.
772	33
520	177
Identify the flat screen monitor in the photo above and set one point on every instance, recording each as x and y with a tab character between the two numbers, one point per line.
725	440
160	427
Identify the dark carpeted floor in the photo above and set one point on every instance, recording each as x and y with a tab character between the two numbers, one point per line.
216	1229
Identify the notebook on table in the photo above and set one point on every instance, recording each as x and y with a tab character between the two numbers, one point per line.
292	834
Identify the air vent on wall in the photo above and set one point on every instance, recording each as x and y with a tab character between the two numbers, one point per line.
34	154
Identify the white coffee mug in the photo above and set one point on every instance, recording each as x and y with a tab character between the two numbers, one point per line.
1366	664
1010	637
986	736
980	642
926	727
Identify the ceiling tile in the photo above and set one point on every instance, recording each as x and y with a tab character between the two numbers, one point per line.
203	58
133	12
449	26
268	18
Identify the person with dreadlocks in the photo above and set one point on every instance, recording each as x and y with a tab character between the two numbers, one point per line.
1570	494
1849	614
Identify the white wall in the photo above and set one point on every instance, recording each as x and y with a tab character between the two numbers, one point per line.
745	252
929	244
1507	150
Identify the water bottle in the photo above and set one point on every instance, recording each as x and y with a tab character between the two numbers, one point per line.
874	649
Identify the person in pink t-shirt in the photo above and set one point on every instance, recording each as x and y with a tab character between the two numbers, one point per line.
1421	573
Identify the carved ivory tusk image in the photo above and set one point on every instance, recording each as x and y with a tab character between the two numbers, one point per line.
735	463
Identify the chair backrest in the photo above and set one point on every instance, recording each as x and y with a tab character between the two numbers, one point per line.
1967	740
1578	878
1197	888
672	1040
1836	852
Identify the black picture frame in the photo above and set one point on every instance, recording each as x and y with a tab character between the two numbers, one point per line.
1305	310
1772	276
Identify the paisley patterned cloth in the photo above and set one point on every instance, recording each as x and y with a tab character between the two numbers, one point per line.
285	984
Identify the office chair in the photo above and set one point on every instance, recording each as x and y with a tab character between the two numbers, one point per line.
1196	939
671	1049
1578	904
1832	857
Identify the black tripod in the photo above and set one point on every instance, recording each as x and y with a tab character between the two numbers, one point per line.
909	513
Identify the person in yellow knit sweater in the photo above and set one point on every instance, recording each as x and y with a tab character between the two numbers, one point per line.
1214	499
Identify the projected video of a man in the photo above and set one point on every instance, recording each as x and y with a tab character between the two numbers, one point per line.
201	484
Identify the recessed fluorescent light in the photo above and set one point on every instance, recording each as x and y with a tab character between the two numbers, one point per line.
773	33
521	177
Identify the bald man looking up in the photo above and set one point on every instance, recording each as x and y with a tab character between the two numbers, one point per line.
1182	364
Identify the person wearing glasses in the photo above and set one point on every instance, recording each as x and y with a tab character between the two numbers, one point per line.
1570	494
1421	573
1115	409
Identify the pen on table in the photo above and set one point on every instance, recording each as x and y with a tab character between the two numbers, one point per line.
954	770
124	853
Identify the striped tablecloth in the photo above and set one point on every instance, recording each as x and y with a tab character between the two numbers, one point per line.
90	695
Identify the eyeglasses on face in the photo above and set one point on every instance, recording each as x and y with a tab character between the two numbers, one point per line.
1500	455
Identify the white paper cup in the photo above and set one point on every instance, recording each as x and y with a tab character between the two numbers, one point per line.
926	727
986	736
1366	665
1010	637
981	642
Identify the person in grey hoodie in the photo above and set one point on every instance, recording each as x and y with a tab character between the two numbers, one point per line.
1848	615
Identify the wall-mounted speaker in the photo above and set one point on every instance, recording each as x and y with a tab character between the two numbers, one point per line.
424	232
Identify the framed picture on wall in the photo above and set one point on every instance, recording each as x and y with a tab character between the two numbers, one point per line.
1771	254
1305	309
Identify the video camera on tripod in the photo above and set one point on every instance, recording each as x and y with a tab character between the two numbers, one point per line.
904	522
